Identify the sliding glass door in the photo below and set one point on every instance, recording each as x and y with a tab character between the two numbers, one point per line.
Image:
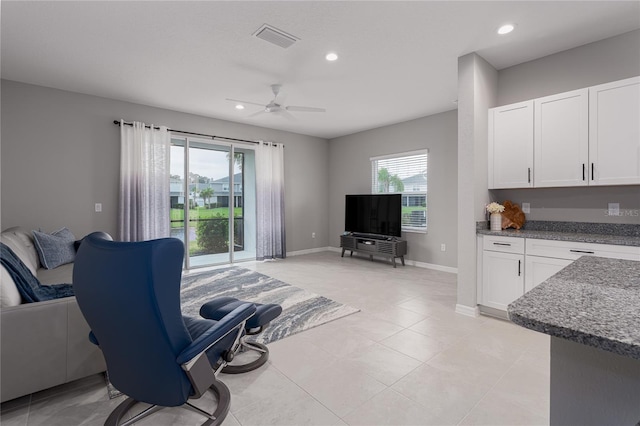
213	201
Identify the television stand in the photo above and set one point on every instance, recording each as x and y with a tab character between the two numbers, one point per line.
375	245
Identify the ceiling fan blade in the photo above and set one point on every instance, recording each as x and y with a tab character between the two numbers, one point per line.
256	113
305	109
244	102
286	114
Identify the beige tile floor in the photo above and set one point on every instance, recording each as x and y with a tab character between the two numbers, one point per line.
406	359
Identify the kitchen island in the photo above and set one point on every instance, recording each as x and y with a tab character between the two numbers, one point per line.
591	310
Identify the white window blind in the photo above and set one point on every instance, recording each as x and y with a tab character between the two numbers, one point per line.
405	174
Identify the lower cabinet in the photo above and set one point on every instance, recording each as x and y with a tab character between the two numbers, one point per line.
503	278
502	271
538	269
512	266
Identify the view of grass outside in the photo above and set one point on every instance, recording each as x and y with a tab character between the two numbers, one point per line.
195	216
177	215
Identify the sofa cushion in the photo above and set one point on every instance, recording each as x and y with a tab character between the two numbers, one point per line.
55	249
9	295
63	274
20	241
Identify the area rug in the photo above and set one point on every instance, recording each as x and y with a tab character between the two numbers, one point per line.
301	309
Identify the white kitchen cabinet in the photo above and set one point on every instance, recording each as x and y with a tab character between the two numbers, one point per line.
502	271
511	146
538	269
572	250
614	133
561	139
508	267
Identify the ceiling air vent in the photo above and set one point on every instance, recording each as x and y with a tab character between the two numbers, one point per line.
275	36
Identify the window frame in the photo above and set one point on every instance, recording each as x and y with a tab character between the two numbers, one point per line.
374	181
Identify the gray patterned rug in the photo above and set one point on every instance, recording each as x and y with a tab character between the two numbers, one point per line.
301	309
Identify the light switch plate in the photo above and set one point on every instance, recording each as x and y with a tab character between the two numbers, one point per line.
98	207
526	208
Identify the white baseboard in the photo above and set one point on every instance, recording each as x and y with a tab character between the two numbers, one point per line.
468	310
307	251
431	266
408	262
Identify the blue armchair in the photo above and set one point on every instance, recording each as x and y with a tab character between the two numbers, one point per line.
129	294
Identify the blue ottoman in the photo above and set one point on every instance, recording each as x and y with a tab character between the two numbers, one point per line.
265	313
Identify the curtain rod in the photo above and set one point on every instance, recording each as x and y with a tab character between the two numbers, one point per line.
116	122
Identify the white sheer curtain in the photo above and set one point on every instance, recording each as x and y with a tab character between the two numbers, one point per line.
270	201
144	182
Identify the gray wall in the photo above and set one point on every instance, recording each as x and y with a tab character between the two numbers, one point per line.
607	60
350	173
477	83
60	155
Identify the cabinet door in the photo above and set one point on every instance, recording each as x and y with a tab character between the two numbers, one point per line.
614	133
511	146
561	139
502	278
539	269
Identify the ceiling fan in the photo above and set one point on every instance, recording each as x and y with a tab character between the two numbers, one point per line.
274	107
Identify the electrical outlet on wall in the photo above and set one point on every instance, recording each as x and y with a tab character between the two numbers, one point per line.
443	247
313	235
526	208
98	207
614	209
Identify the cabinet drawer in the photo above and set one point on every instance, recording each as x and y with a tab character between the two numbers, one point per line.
503	244
573	250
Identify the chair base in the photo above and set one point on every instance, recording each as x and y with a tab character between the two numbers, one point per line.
220	390
243	368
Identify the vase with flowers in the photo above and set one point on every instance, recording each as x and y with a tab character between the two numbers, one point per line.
495	210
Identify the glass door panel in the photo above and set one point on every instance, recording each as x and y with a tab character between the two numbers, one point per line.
210	204
219	184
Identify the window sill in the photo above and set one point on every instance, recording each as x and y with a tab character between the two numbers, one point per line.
414	231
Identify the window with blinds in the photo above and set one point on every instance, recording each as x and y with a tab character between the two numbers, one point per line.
405	174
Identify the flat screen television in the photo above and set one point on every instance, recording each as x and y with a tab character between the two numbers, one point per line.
376	214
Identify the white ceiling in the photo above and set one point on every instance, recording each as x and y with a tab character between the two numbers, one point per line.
398	60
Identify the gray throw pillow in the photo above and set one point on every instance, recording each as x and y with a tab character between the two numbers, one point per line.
55	249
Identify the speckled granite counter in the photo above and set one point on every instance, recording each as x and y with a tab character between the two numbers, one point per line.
594	301
621	240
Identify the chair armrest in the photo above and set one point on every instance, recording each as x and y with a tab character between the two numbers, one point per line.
231	321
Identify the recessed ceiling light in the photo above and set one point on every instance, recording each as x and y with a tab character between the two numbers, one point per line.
505	29
239	106
331	56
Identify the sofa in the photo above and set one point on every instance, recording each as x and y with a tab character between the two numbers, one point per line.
43	344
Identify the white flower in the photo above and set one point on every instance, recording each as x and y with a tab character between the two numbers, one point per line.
495	208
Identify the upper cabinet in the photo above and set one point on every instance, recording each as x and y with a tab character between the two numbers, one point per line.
561	139
583	137
614	133
511	153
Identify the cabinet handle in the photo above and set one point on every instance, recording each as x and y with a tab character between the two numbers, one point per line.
502	244
582	251
519	263
528	174
583	171
591	171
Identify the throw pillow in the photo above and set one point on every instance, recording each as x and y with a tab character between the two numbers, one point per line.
55	249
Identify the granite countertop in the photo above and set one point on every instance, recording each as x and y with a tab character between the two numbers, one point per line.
621	240
594	301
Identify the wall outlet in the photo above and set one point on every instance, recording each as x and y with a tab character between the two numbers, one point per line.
614	209
98	207
526	208
313	235
443	247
